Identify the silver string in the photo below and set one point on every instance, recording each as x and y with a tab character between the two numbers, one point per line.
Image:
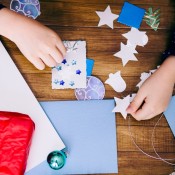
154	157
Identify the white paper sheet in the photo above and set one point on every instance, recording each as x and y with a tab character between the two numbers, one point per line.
16	96
71	73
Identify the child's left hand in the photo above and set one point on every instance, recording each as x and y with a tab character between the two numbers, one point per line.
155	93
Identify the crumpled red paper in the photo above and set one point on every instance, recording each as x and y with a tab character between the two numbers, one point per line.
15	139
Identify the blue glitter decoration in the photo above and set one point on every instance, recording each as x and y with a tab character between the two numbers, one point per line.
64	61
62	82
72	83
30	8
78	72
74	62
56	81
58	68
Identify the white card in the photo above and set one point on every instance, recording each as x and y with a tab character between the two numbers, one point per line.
71	73
16	96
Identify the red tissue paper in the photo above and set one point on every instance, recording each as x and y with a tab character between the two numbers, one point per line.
15	139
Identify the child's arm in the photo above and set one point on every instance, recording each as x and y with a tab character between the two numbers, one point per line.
39	44
155	93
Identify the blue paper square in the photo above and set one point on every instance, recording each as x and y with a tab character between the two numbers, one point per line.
88	130
89	66
131	15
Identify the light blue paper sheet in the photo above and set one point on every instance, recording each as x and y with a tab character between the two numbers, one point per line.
88	130
170	114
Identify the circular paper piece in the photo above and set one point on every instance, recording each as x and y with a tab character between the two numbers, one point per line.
95	90
30	8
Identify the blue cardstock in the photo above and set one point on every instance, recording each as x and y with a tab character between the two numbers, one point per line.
88	130
89	66
170	114
131	15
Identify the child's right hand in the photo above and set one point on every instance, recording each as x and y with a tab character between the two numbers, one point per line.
39	44
154	95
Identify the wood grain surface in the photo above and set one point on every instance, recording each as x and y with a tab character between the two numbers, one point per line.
77	20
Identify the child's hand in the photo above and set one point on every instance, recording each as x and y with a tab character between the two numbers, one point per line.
154	95
39	44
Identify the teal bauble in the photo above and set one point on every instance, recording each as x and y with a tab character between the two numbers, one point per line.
56	159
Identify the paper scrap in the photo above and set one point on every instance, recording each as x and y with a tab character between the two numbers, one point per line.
89	66
16	96
116	82
126	53
136	37
71	73
131	15
106	17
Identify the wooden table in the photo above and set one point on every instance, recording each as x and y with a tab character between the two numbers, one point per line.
77	20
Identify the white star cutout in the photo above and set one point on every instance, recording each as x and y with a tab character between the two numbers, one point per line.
126	53
107	17
121	105
136	37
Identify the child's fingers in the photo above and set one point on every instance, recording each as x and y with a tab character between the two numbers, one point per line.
136	103
37	62
146	112
61	47
48	60
55	53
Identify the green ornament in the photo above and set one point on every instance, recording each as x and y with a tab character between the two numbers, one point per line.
56	159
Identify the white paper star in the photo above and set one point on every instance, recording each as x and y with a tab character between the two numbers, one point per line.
126	53
106	17
136	37
116	82
121	105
